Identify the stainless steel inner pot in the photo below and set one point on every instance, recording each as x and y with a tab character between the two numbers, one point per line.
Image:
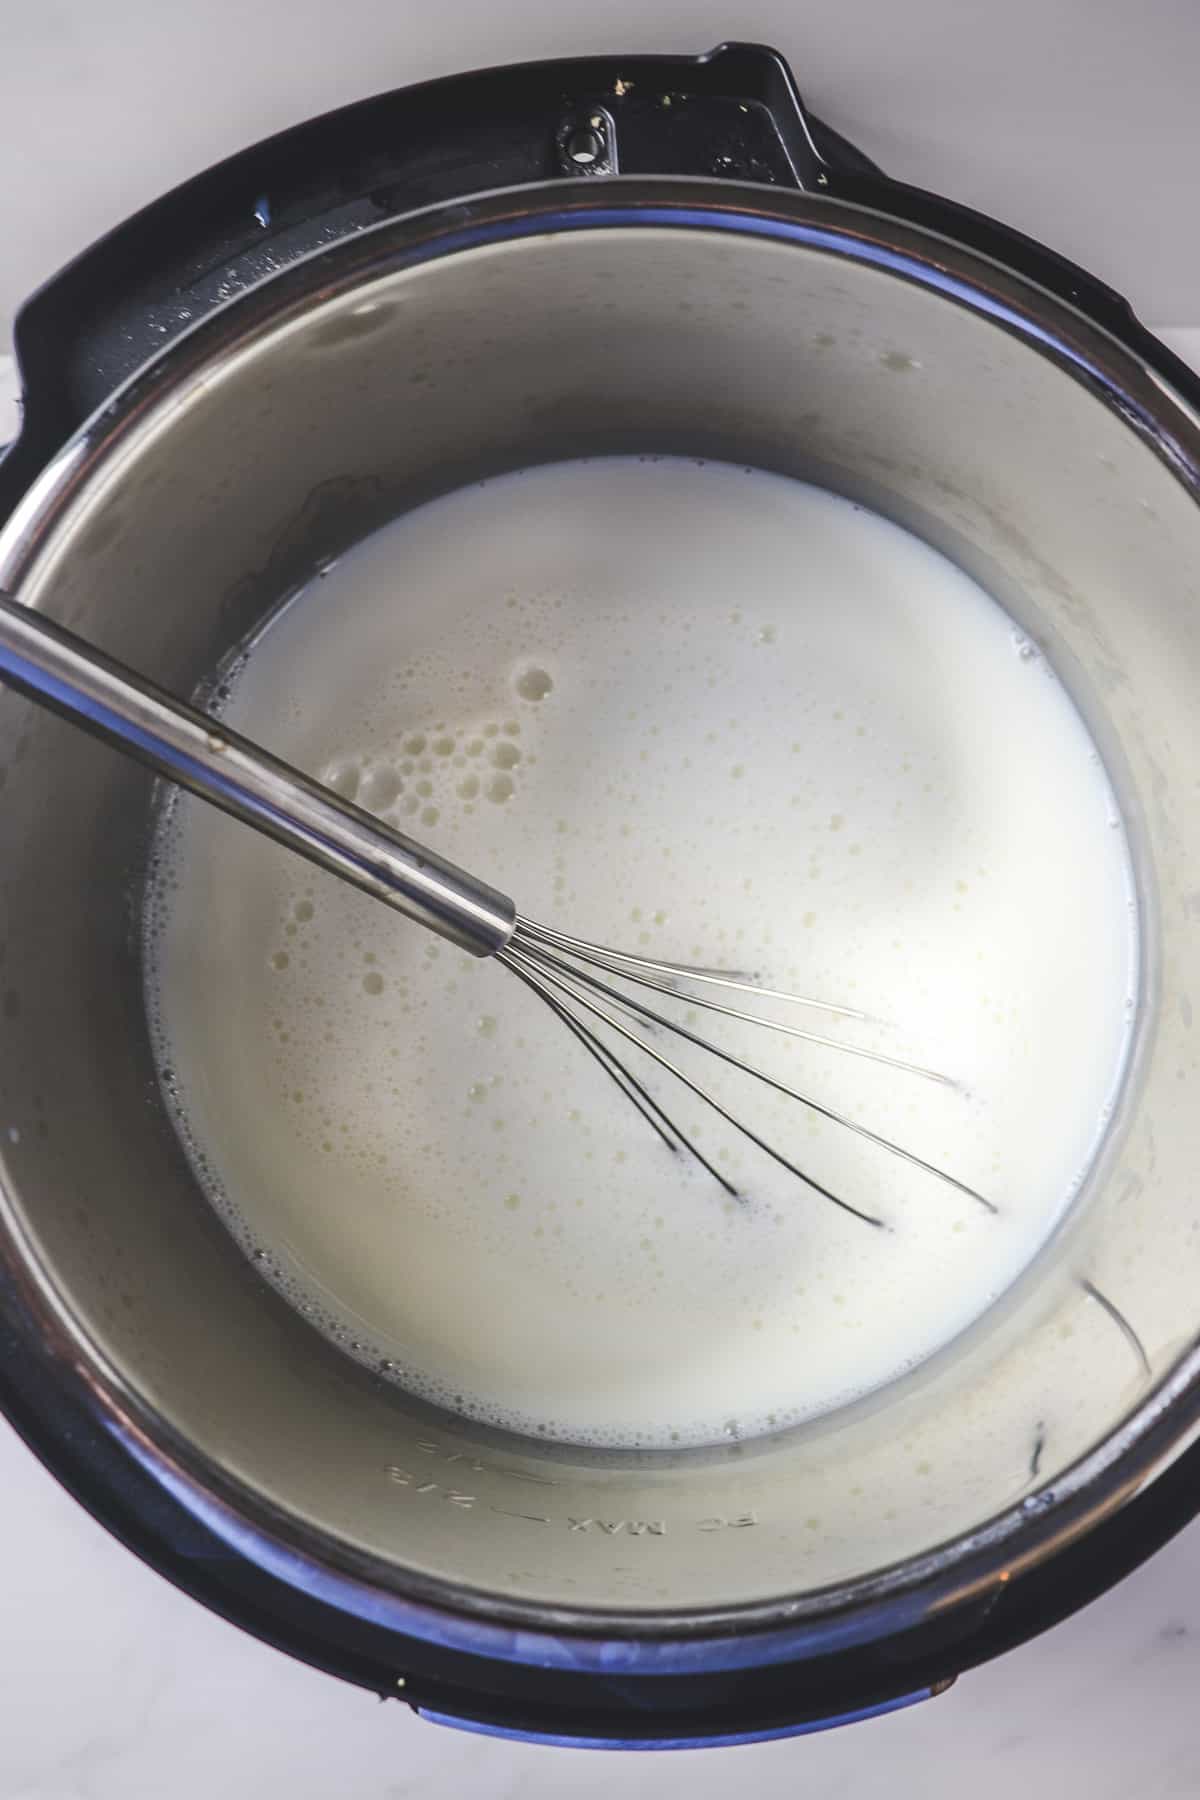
783	330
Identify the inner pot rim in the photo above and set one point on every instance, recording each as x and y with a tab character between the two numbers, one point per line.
818	1620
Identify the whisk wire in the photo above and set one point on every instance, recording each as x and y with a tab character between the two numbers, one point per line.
514	957
625	1079
726	978
538	954
601	958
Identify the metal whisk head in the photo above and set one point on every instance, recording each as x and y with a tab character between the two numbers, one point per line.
575	979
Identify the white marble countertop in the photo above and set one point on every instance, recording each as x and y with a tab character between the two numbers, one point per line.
113	1686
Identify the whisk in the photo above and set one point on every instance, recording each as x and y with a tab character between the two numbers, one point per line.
575	979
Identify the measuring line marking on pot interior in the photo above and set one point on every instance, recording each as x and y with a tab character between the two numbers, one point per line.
575	1525
774	733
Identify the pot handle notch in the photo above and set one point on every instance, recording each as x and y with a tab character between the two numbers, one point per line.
733	112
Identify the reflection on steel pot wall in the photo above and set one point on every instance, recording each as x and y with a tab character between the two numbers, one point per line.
1057	459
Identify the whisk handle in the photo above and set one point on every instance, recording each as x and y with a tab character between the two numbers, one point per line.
59	670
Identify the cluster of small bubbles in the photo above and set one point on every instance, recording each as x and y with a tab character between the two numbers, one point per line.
433	772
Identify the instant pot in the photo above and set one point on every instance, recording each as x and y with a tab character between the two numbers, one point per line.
645	254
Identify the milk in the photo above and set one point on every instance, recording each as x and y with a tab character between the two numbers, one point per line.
700	713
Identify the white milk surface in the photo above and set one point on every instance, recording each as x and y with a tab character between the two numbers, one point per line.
704	714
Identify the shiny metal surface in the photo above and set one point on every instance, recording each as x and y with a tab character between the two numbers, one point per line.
1046	455
59	670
